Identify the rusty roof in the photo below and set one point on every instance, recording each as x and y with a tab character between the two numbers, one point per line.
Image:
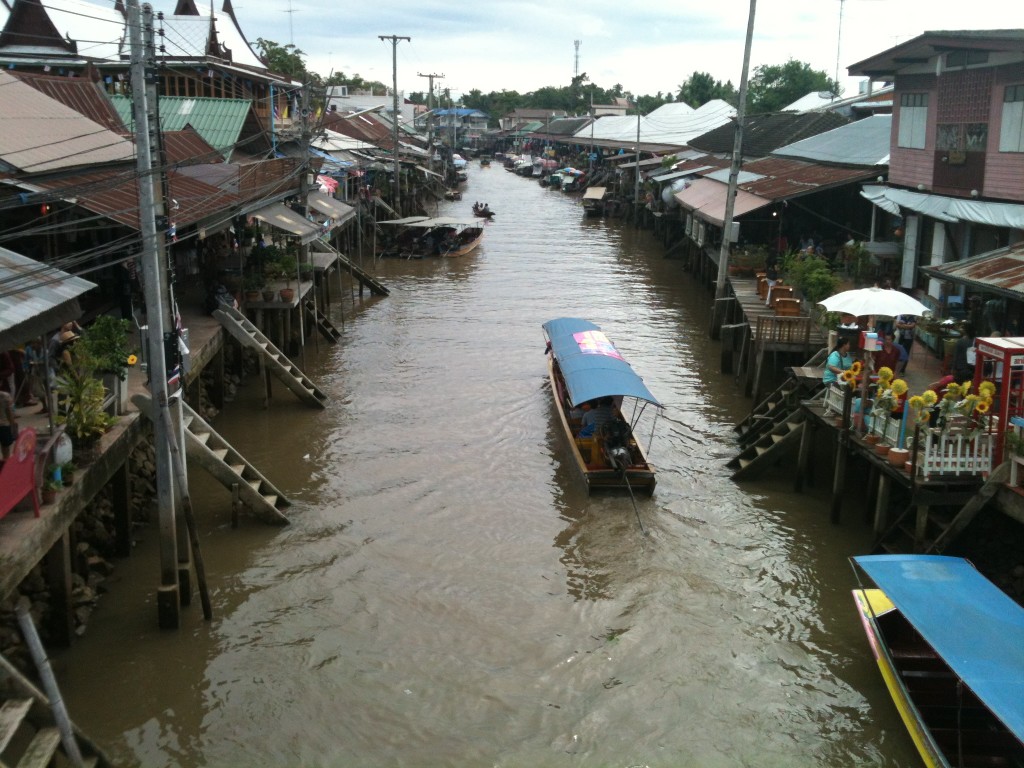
783	178
1000	271
187	147
82	94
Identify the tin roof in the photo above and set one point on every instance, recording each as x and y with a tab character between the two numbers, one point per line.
1000	271
923	48
81	94
862	142
763	134
218	121
35	298
40	134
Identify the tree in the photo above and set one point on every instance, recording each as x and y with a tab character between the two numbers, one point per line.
775	86
283	59
700	88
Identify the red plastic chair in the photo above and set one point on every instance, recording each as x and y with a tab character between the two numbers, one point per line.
18	476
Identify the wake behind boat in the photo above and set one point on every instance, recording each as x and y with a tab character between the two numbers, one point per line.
950	646
587	373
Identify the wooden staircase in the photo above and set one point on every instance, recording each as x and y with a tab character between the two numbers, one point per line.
360	274
214	454
239	326
766	414
325	326
762	454
35	730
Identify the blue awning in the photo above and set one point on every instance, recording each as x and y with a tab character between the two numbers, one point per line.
590	364
975	627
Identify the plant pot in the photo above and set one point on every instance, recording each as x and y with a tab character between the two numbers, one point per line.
898	457
882	449
872	439
48	495
251	297
908	467
269	294
287	295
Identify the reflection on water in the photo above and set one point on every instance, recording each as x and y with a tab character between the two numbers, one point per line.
449	595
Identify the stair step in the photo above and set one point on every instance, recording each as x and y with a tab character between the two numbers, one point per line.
271	499
256	483
204	437
41	749
220	453
761	450
11	714
744	463
238	469
779	438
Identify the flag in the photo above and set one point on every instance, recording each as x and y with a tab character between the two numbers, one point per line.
174	377
276	115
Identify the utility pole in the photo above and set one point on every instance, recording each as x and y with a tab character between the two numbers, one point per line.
430	106
636	185
154	263
395	39
734	172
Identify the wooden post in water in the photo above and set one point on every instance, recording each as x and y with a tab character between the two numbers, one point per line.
882	504
58	580
842	451
732	339
803	462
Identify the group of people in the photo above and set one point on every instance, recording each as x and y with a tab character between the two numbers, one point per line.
595	414
25	380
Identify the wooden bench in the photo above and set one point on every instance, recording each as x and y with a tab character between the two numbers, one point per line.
18	475
787	307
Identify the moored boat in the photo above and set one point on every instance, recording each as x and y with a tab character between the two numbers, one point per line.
950	646
448	236
593	201
585	369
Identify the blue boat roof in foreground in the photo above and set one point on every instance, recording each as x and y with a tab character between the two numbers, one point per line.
590	364
974	626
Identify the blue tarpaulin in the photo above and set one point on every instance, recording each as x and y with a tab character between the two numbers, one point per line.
590	364
975	627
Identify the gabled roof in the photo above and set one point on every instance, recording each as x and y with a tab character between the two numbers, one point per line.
763	134
187	147
218	121
670	125
362	127
39	134
921	49
198	35
565	126
63	28
82	94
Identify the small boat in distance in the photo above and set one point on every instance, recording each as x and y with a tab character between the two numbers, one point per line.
950	646
584	369
483	210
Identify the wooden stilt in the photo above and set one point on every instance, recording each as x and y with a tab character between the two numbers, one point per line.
57	564
803	460
882	505
839	479
873	477
921	527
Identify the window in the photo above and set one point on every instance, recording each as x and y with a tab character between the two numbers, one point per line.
913	119
966	58
1011	133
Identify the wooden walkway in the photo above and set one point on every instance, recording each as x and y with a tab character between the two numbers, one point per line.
757	332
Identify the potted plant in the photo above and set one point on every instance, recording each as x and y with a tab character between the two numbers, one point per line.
106	342
67	472
49	490
81	395
287	267
253	284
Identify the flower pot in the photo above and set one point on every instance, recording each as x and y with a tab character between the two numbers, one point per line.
898	457
908	467
872	439
251	297
269	294
287	295
882	449
48	495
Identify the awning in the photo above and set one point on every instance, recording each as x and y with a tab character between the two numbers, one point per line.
948	209
35	298
337	210
707	198
1000	271
406	221
428	171
281	216
595	193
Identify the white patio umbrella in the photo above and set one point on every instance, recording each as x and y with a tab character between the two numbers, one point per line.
874	301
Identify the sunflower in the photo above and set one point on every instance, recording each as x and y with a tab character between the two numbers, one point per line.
132	359
899	387
924	417
982	406
986	389
885	373
856	367
929	397
916	402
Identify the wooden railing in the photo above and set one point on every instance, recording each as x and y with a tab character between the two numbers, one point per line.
783	330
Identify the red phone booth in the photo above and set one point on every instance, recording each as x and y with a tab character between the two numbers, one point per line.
1001	361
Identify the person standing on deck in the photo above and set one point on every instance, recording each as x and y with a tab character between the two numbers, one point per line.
905	325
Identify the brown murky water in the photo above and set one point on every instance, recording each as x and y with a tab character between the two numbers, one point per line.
448	595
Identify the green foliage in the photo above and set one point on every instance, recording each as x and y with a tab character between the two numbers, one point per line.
774	86
811	275
1015	442
80	395
283	59
105	343
700	88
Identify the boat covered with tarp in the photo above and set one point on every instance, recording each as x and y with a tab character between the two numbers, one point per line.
587	373
950	646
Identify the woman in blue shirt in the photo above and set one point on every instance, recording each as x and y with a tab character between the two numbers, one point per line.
839	359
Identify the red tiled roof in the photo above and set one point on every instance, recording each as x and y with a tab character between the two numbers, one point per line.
78	93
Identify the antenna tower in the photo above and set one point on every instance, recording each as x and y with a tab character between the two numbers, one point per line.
576	59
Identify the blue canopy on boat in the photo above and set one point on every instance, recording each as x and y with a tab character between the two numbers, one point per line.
975	627
590	364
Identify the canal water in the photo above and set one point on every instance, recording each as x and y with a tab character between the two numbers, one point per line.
447	594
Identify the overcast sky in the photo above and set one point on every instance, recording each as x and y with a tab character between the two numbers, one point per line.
647	47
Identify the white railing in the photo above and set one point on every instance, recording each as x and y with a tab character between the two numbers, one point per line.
886	427
955	454
834	396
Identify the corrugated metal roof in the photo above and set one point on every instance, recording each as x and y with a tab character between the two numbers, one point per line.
187	147
80	94
882	66
763	134
783	178
862	142
218	121
35	297
40	134
1000	271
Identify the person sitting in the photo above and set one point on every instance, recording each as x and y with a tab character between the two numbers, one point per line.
838	360
599	414
8	421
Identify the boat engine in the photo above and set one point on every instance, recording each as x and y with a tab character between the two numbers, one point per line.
616	444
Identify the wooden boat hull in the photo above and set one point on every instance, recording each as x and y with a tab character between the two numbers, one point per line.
587	454
943	717
474	236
